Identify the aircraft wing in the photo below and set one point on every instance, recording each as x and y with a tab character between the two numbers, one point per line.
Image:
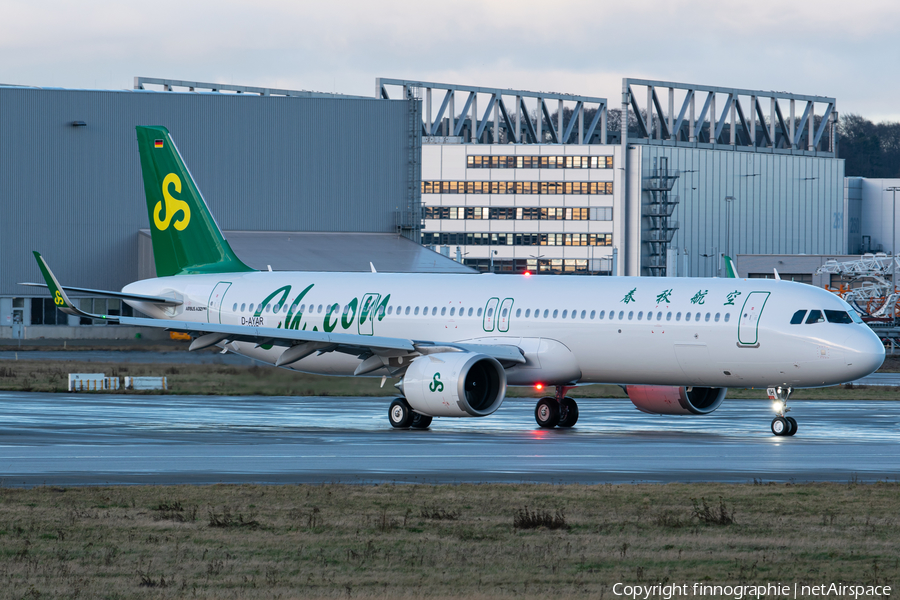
302	343
298	343
161	300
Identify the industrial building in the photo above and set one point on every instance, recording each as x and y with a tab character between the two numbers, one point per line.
287	174
560	183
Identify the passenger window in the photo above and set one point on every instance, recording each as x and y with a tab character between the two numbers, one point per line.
668	316
235	307
583	314
717	317
268	307
479	313
546	312
555	312
243	307
678	316
565	312
621	314
391	310
593	312
527	313
470	312
707	317
815	316
727	317
602	314
490	312
798	317
837	316
443	310
417	311
518	312
406	312
453	311
425	311
434	311
659	316
640	315
503	314
321	306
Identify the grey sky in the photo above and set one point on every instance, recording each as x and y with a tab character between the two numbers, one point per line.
848	50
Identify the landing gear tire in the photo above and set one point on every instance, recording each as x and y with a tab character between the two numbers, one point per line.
780	426
568	412
420	421
793	424
546	413
400	414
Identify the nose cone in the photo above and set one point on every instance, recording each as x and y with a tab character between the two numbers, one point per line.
864	352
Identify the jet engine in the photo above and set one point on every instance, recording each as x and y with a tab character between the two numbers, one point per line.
672	400
454	384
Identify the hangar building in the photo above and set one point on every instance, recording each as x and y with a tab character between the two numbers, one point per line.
289	175
560	183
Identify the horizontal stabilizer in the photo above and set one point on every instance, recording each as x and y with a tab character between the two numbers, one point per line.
160	300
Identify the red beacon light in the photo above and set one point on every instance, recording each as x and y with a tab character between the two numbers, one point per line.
527	273
539	386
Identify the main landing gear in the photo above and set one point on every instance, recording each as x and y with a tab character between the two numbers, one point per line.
560	411
404	417
782	425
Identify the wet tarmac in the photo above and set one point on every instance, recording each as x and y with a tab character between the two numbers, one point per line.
65	439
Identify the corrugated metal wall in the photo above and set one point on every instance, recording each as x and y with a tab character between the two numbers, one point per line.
785	204
262	163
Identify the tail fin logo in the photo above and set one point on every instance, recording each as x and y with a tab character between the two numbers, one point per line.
173	205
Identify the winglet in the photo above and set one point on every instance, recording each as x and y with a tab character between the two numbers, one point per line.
730	268
59	295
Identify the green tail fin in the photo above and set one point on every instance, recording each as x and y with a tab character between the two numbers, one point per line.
730	269
185	236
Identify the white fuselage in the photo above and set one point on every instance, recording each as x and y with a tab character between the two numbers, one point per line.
573	329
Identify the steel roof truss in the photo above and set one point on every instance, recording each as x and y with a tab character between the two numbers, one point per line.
462	115
660	117
487	116
679	122
762	121
440	115
576	114
546	114
798	134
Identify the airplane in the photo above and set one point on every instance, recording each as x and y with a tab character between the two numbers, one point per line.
456	341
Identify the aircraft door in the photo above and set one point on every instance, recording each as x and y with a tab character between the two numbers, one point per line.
505	314
216	298
748	326
490	310
367	316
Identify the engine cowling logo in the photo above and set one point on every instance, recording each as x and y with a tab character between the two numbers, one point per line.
436	384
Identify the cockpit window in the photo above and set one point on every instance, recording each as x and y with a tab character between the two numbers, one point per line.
837	316
855	316
798	317
815	316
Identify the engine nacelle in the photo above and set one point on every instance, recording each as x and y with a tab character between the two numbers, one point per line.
454	384
671	400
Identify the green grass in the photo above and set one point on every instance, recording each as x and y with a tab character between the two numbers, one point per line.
448	541
199	379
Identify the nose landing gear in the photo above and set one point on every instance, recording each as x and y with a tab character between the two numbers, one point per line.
782	425
560	411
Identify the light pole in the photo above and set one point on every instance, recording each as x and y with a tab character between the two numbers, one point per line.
893	190
493	253
728	203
